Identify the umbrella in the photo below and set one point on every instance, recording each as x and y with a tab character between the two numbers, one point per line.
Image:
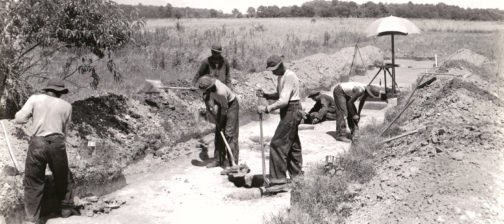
391	26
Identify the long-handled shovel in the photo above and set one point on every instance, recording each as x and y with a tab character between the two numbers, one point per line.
10	148
235	170
261	140
233	164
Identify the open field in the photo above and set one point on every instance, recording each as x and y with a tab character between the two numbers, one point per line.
171	49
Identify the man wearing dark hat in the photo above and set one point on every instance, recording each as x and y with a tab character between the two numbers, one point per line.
347	116
226	117
324	108
214	66
50	116
285	146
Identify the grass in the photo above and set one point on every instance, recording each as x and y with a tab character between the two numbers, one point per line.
170	49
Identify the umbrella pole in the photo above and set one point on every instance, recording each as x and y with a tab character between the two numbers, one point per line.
393	66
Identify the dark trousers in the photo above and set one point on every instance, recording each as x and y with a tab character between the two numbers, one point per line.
285	147
42	151
343	108
231	130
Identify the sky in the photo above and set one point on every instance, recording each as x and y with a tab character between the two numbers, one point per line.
227	5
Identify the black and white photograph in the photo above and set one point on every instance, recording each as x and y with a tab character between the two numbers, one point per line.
251	111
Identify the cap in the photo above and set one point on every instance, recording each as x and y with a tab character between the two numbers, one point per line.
216	48
206	82
273	62
57	85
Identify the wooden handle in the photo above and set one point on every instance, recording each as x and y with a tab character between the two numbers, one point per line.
261	140
9	147
228	149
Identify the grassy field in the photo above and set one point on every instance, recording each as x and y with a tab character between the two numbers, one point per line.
171	49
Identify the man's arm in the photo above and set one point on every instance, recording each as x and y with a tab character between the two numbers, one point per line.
284	96
361	103
203	70
228	76
315	107
210	105
25	113
324	106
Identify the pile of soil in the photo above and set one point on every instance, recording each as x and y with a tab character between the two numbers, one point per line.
453	171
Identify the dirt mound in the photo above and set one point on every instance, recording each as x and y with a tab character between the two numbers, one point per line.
453	171
469	56
467	63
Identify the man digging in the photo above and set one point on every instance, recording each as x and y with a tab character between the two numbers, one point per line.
324	108
285	146
50	116
226	117
347	116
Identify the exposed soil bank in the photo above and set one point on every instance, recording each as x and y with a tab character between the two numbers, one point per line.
110	132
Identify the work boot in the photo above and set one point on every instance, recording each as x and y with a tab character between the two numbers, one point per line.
67	212
212	164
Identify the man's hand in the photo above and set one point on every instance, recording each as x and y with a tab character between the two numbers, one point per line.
260	93
356	117
315	121
261	109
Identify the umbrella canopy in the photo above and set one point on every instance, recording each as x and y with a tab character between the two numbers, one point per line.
391	25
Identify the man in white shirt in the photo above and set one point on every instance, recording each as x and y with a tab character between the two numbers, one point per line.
285	146
50	117
347	116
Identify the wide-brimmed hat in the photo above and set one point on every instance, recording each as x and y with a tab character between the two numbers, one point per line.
313	93
216	48
273	62
57	85
206	82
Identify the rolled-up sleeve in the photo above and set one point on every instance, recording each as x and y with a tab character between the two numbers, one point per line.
284	95
25	113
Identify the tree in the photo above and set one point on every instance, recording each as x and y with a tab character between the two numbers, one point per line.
251	12
236	13
87	32
168	11
213	13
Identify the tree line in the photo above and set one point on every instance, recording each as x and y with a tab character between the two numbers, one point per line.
322	8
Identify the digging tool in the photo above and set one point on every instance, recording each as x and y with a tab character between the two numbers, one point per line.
261	140
235	170
156	86
228	149
402	135
10	148
397	117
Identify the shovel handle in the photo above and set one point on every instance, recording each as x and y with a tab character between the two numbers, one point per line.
228	149
261	139
9	147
